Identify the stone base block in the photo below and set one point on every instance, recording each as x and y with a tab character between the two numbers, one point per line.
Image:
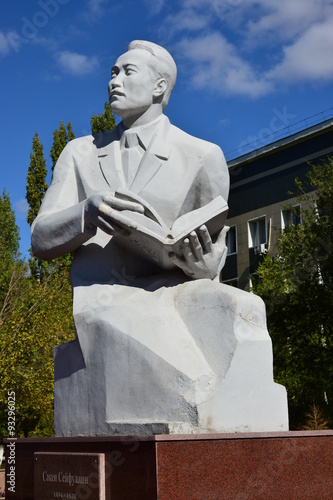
201	363
286	465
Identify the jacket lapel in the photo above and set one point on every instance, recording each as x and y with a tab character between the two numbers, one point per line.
110	164
109	159
155	156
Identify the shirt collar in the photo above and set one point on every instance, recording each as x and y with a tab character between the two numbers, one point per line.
144	132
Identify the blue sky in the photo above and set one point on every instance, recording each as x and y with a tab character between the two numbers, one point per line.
246	68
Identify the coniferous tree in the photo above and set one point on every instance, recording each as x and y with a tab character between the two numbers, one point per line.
35	190
36	314
103	122
61	137
13	272
9	244
36	179
9	232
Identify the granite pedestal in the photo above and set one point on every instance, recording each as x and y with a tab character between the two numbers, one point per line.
286	465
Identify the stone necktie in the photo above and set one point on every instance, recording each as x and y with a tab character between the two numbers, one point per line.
131	156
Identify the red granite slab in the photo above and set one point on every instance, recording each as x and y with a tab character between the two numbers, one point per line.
286	466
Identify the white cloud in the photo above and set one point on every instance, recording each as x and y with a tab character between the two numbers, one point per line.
309	58
223	122
187	20
50	77
77	64
219	68
96	5
154	7
8	42
247	47
94	10
282	19
21	207
4	44
276	19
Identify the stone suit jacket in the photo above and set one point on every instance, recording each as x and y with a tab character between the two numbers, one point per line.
178	173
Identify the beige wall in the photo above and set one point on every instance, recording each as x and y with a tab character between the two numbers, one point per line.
273	229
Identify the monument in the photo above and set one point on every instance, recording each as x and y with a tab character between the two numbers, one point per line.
161	345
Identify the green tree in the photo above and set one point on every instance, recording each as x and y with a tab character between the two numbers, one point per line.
61	137
9	251
38	316
35	315
36	179
297	287
36	188
12	272
9	232
36	306
103	122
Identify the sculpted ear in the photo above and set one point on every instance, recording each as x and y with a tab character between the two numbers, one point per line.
160	87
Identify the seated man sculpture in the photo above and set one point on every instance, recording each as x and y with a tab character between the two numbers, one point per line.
162	346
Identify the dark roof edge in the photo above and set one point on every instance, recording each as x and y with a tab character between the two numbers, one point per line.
298	136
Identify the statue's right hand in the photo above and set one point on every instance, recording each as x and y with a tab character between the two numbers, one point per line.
103	210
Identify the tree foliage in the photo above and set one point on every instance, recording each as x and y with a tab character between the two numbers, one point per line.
104	121
9	232
35	315
37	185
36	188
297	287
36	179
61	137
35	301
35	309
9	251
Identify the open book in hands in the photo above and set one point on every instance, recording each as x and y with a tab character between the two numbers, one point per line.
151	238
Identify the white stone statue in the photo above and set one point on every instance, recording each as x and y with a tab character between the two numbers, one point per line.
161	345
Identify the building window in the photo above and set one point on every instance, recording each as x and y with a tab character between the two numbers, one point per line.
231	240
257	232
290	216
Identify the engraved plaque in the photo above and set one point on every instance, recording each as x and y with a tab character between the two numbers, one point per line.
69	476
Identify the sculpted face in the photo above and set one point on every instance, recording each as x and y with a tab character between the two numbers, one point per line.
132	84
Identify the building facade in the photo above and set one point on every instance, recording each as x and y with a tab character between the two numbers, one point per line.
262	184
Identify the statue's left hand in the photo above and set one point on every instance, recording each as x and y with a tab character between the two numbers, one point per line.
201	257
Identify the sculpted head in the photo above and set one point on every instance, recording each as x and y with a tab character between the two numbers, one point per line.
142	80
161	63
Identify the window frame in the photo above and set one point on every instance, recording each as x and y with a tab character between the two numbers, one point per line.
285	210
236	239
249	234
